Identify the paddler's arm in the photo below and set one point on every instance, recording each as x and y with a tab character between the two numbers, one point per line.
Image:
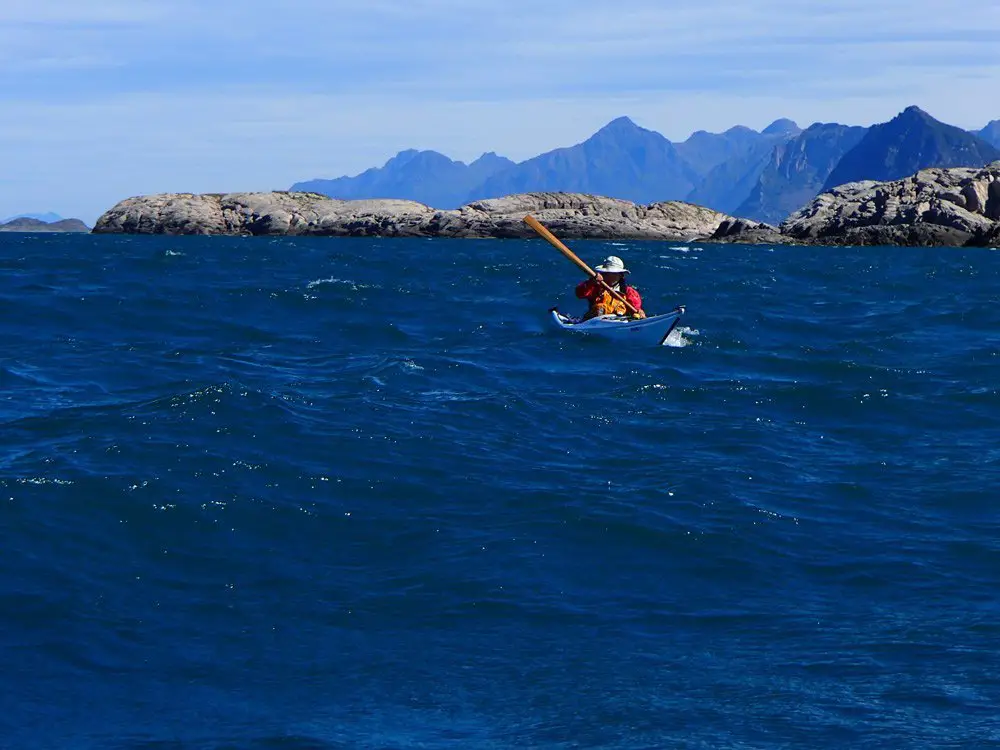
634	299
590	287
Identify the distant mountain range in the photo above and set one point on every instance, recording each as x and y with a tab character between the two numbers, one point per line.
29	224
424	176
620	160
727	185
48	217
762	175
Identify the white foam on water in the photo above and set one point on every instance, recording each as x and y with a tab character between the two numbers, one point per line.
354	285
679	337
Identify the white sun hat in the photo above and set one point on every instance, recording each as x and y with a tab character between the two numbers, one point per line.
612	264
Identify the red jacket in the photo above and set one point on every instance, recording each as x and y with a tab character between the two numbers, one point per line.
591	291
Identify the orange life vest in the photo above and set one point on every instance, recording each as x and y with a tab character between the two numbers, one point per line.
611	305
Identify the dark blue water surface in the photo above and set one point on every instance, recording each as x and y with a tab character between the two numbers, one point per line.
323	493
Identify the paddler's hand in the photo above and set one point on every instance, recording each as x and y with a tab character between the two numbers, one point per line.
598	278
638	315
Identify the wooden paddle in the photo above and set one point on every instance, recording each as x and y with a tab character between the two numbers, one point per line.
535	224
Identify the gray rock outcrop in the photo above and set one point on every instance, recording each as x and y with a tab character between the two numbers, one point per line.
747	232
954	206
569	215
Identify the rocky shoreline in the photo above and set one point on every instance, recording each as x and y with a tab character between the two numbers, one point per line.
935	207
956	206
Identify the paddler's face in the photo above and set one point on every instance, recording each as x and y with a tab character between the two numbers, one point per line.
611	279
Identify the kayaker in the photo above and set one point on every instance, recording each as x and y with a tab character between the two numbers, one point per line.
612	272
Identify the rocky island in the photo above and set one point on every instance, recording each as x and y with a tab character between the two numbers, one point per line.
948	207
956	206
571	215
28	224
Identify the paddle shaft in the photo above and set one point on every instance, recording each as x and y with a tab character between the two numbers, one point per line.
535	224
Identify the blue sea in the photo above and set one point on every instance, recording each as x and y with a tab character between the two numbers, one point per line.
358	493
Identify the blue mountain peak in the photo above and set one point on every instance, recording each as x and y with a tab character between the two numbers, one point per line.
620	125
913	112
782	126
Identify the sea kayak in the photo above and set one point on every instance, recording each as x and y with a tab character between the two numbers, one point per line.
653	330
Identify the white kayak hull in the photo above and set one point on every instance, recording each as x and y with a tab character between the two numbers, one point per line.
652	331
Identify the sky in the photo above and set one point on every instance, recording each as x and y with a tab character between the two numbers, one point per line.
107	99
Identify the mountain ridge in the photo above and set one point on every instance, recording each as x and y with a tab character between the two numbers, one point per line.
991	133
797	169
909	142
621	160
738	171
423	175
731	182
